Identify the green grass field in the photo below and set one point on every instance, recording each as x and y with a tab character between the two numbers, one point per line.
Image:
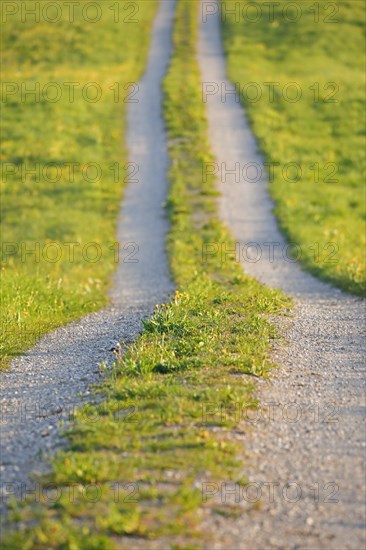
170	407
322	132
52	205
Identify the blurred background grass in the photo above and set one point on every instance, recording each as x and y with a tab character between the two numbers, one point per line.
308	47
38	295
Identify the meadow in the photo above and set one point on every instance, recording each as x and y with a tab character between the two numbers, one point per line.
66	86
300	71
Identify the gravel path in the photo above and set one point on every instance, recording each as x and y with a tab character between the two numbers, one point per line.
47	383
310	430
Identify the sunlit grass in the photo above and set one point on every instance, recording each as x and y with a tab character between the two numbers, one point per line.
52	205
322	132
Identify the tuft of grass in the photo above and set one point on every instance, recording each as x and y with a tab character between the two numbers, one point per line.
48	206
320	50
172	402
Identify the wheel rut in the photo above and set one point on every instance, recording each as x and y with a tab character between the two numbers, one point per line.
306	449
47	383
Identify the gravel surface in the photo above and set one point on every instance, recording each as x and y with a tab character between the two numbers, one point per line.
306	449
47	383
